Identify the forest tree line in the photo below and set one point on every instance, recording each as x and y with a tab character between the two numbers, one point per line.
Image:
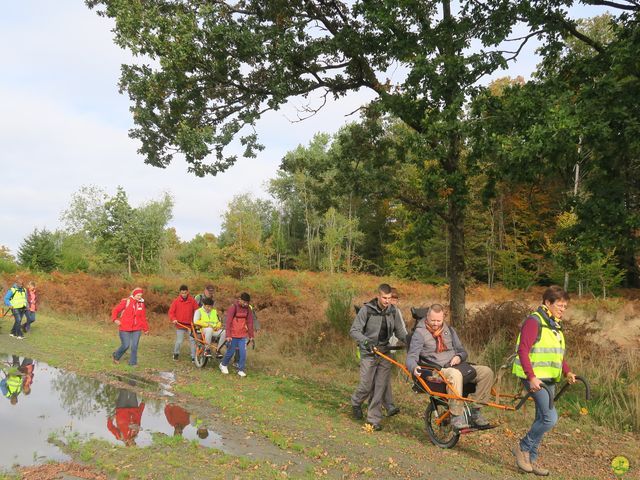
548	183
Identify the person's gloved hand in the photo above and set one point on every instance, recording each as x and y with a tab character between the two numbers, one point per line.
368	346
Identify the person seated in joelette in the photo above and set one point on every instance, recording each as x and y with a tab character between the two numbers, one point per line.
206	318
438	343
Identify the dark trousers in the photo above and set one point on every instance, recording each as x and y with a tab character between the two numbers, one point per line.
18	313
31	317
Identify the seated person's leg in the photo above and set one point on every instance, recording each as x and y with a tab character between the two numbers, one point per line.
454	377
484	381
208	333
222	337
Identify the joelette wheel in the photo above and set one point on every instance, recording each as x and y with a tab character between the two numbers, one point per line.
437	421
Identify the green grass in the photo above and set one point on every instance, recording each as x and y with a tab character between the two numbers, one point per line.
298	401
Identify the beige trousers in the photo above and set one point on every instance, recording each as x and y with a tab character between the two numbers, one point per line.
483	381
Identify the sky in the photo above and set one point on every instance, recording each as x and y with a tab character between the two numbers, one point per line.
63	125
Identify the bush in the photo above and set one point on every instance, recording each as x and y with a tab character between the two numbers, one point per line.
7	266
496	321
339	309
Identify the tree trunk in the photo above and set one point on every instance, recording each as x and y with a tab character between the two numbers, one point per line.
457	292
457	195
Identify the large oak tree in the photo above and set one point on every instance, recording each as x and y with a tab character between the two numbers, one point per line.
209	69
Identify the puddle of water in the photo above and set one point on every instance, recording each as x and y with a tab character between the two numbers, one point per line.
38	400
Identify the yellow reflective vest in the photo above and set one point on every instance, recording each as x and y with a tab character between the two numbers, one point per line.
208	319
18	297
546	355
14	385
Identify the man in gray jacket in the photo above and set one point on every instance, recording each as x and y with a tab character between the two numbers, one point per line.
373	326
436	342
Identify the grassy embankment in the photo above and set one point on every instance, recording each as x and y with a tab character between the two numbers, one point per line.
300	378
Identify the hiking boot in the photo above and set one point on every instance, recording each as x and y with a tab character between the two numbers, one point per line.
459	422
356	411
393	411
539	470
207	353
522	459
241	373
477	418
223	369
175	356
219	355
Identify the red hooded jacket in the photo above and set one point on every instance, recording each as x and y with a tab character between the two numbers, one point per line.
182	310
125	417
134	316
176	415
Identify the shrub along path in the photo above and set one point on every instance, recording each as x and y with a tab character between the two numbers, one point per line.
299	403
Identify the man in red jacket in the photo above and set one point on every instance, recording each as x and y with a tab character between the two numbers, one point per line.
181	314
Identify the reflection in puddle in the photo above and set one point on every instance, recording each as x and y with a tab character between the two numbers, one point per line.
40	401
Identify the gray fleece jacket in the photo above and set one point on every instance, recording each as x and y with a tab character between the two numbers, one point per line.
368	321
423	345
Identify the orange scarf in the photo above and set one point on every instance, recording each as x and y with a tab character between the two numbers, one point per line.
437	335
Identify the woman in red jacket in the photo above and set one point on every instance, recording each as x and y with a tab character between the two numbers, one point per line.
132	323
125	422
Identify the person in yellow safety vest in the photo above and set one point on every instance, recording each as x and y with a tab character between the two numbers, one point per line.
11	386
206	317
540	360
16	298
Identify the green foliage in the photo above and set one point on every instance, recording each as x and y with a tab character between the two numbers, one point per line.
277	56
280	285
122	236
7	266
514	274
7	261
515	182
39	251
599	272
340	236
202	255
239	262
76	253
340	311
245	228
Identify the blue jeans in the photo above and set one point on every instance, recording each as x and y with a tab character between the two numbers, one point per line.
128	339
545	420
31	317
180	333
241	345
18	314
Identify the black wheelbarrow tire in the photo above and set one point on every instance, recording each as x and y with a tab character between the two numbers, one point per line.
443	435
200	358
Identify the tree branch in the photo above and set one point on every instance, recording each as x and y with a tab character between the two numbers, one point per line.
633	7
571	28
